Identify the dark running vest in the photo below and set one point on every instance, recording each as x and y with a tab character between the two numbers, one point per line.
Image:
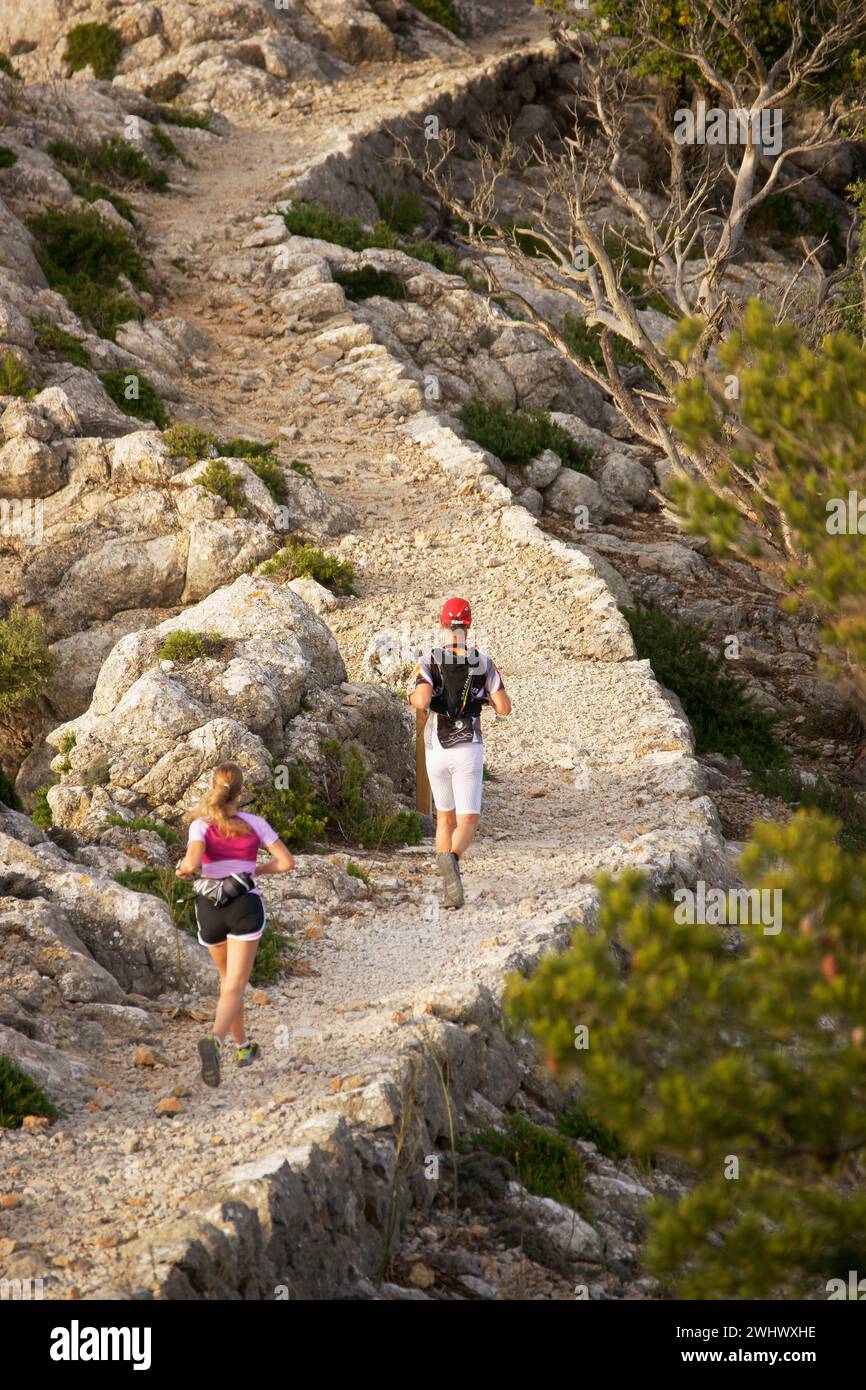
459	691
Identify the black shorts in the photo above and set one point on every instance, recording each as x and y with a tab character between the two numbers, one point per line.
243	918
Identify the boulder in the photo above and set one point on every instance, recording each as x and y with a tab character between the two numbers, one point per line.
624	481
28	468
93	407
129	934
571	490
540	472
156	728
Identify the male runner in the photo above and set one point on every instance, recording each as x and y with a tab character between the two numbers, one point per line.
453	683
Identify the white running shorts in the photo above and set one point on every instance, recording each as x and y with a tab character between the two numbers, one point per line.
456	777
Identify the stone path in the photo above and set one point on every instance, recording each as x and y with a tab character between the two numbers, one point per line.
588	774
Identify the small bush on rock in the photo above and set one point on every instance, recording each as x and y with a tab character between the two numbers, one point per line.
26	661
544	1161
145	403
8	794
14	376
402	212
519	436
165	832
84	258
20	1096
442	11
299	560
291	806
219	479
95	45
263	462
112	158
368	282
41	811
354	804
720	712
185	441
183	647
166	145
173	115
50	337
7	157
7	66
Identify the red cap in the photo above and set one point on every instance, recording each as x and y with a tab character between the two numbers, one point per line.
456	613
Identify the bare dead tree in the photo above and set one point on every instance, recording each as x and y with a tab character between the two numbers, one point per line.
590	232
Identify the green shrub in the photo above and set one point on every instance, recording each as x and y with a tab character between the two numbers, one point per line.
165	832
67	743
83	258
96	45
50	337
26	662
92	192
185	441
519	436
112	158
354	804
14	376
291	805
176	893
219	479
7	66
402	212
183	646
298	559
442	11
355	871
246	448
268	469
545	1162
716	704
7	157
700	1052
263	462
315	221
41	813
165	144
173	115
272	957
368	281
146	404
20	1096
8	794
303	468
845	803
577	1123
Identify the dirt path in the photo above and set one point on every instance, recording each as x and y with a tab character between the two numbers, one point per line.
575	787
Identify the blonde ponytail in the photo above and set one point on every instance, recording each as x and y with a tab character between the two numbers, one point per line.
227	784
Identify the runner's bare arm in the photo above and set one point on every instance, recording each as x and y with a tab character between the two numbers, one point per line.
500	701
280	862
191	862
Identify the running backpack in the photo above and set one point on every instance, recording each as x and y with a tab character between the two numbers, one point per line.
460	691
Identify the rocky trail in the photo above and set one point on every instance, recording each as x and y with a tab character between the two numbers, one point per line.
593	771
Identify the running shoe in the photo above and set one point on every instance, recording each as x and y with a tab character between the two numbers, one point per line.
452	883
248	1054
210	1052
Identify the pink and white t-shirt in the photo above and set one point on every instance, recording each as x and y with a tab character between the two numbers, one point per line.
231	854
